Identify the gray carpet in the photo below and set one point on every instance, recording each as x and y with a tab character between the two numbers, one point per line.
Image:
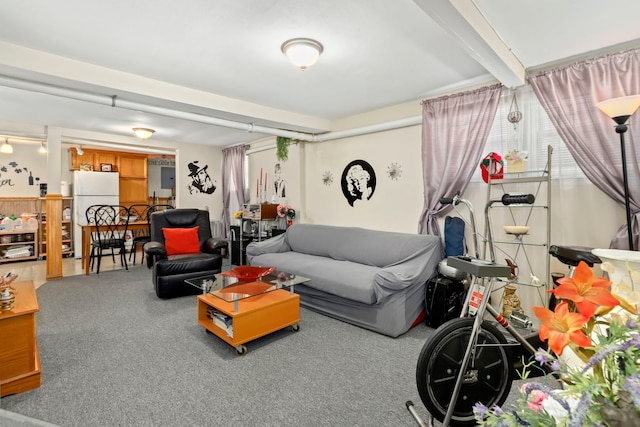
113	354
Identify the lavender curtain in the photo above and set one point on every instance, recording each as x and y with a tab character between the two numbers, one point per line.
454	132
232	182
569	95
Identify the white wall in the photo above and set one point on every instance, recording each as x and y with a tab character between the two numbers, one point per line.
581	214
187	196
23	171
290	171
395	204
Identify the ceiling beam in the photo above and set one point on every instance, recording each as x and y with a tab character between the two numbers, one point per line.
18	62
463	21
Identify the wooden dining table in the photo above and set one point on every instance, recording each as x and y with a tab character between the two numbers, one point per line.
90	228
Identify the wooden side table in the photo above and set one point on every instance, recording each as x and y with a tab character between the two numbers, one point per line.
19	358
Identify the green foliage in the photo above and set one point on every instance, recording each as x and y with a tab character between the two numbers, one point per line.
282	148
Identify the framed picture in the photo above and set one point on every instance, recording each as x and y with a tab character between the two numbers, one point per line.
105	167
86	167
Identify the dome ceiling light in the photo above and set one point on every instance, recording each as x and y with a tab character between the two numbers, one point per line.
302	52
143	133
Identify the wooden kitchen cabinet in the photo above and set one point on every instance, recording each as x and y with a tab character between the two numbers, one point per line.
133	166
133	191
133	179
100	157
132	169
87	157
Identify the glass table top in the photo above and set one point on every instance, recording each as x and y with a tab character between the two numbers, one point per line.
231	289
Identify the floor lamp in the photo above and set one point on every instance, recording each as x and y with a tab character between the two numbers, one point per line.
620	109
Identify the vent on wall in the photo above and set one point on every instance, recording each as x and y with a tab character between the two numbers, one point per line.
161	162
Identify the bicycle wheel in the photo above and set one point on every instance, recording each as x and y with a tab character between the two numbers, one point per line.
488	377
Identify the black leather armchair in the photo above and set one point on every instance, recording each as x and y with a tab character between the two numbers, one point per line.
170	271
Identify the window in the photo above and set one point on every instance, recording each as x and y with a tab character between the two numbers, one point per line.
532	135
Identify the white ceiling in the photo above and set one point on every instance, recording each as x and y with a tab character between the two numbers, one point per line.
222	58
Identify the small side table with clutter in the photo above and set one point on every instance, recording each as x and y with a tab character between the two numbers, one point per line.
258	221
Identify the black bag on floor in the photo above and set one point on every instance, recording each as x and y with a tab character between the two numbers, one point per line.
444	300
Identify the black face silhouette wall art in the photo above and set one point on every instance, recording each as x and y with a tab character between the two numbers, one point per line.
358	181
200	180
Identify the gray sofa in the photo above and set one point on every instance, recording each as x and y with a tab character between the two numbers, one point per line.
373	279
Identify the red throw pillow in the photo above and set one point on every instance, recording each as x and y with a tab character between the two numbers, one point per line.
181	240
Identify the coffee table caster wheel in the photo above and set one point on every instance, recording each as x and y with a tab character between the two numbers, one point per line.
295	328
241	350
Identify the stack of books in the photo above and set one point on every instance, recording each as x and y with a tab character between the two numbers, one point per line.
221	320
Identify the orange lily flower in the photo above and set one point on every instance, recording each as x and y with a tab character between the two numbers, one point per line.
585	290
561	327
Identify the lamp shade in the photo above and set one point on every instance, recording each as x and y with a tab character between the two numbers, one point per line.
6	148
143	133
623	106
302	53
42	149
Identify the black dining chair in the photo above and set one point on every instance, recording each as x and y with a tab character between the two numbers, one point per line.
111	223
143	213
90	215
139	213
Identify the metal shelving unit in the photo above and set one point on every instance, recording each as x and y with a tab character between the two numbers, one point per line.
520	248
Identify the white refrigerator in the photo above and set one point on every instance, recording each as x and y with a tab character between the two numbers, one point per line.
91	188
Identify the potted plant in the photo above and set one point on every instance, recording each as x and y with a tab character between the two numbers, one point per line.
282	148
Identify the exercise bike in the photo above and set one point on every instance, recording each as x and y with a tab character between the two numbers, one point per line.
468	359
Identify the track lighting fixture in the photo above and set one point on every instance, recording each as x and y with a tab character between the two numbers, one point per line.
6	148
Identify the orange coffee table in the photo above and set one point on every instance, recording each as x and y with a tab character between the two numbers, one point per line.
238	312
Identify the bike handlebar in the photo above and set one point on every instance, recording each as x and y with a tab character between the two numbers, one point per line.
446	200
451	200
509	199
